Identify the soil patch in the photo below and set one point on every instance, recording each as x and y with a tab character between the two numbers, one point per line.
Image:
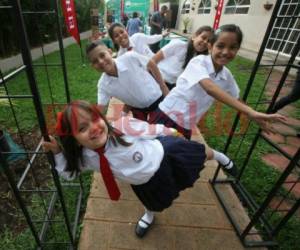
38	176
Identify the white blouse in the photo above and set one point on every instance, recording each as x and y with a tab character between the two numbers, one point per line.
134	164
188	101
174	56
134	85
139	43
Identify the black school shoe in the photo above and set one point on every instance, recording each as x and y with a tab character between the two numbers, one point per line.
231	171
141	231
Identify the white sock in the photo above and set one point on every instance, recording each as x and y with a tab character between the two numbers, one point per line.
223	159
148	217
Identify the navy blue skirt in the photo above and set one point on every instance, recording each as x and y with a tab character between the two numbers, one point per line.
180	168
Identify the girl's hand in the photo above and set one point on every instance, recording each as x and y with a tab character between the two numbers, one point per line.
51	146
175	133
263	120
166	33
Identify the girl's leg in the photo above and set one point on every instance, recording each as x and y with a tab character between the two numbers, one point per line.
148	217
223	160
144	223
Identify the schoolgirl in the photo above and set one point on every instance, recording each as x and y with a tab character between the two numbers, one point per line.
157	164
173	58
205	79
138	42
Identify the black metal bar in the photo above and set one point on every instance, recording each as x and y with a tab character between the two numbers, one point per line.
48	64
19	199
38	12
62	54
286	218
37	103
253	206
274	145
272	193
247	158
284	76
236	226
254	70
16	96
226	210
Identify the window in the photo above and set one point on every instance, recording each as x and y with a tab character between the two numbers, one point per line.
237	7
186	7
286	30
204	7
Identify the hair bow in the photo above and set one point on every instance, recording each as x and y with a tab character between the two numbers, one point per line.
58	127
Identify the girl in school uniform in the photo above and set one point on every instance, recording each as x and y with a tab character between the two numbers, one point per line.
138	42
156	163
132	78
173	58
205	79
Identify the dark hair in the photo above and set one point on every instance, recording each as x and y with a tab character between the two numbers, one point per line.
191	52
68	122
227	28
111	33
164	8
90	46
135	14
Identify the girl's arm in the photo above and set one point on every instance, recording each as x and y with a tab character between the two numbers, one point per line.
60	160
261	118
159	56
51	146
137	128
153	69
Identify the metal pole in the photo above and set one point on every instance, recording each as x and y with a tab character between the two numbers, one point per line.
62	55
25	49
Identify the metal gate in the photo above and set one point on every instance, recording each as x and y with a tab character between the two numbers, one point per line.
264	223
42	200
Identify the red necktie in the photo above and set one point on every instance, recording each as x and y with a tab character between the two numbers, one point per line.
129	49
107	175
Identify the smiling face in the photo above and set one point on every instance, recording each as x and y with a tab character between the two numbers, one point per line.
200	42
120	37
101	60
91	130
224	49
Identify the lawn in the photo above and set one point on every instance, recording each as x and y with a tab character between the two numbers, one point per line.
258	178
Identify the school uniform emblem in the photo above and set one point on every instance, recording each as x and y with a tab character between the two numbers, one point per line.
137	157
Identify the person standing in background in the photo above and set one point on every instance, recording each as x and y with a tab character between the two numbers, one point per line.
134	24
157	23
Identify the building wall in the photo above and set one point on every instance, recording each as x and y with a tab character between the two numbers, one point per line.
253	24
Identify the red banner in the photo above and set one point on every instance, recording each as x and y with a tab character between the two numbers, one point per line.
155	5
218	14
68	8
122	8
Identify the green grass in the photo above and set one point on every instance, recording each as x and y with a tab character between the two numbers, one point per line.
258	178
83	85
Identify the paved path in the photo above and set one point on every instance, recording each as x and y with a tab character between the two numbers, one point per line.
195	220
286	138
16	61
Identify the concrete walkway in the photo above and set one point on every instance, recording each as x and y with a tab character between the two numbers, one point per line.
16	61
195	221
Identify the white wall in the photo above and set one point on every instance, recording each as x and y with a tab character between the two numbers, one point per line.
253	24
